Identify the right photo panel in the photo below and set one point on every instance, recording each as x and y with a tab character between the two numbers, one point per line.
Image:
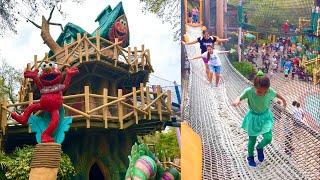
250	78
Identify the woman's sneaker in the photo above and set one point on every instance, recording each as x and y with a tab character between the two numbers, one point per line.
251	161
260	154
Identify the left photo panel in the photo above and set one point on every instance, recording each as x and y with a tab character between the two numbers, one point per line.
90	90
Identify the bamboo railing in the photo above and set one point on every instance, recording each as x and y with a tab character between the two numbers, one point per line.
303	23
316	76
95	48
122	110
166	163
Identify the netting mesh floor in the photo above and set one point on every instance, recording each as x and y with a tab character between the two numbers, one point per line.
293	153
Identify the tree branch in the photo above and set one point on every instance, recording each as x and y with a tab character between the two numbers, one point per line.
36	25
57	24
50	16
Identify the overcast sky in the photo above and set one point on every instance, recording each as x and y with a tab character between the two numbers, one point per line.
19	49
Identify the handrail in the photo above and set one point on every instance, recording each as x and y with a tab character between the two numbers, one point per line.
90	107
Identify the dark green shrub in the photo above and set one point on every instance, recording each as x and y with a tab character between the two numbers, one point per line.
17	165
245	68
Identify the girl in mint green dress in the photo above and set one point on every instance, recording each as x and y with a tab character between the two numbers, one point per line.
259	119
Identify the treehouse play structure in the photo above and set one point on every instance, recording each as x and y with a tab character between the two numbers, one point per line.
311	27
97	113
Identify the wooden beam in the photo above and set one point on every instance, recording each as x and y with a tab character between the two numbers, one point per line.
159	102
87	104
79	46
134	94
120	109
98	43
105	109
4	115
148	101
128	124
142	99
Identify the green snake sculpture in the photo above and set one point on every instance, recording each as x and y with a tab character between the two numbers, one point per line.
144	165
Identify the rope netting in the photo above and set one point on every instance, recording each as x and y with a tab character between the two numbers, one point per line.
273	13
294	151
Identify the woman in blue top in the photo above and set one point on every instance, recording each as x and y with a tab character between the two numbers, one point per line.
204	41
259	119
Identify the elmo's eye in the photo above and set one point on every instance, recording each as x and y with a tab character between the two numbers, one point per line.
43	66
121	21
52	64
124	23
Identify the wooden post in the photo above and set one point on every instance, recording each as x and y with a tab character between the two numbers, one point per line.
142	98
30	98
98	44
105	109
164	163
66	52
169	100
159	103
314	76
4	116
30	102
115	52
46	57
134	94
200	12
87	103
129	56
86	49
80	47
27	80
143	56
149	57
120	109
35	61
148	101
135	57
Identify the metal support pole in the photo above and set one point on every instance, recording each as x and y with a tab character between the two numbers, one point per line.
240	28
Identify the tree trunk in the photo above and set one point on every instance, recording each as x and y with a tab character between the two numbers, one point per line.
51	43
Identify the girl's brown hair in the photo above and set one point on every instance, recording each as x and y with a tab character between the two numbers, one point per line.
208	54
261	81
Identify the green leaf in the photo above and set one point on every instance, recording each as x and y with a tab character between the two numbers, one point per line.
38	125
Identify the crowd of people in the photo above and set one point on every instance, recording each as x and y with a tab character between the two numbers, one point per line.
278	57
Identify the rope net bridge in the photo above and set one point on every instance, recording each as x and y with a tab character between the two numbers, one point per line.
293	153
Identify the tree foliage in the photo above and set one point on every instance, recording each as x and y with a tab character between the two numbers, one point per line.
17	165
10	78
192	3
14	11
167	10
166	143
